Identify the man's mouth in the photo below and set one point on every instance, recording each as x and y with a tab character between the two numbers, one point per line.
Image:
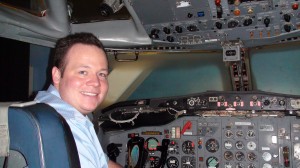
89	94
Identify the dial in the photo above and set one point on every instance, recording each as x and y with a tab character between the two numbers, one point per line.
251	156
251	165
240	165
228	144
297	151
239	133
154	161
228	165
188	147
228	155
212	162
212	145
239	145
267	165
173	147
267	156
151	144
251	133
172	162
188	162
251	145
240	156
228	134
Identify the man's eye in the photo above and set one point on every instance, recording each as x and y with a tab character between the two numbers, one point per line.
82	72
103	75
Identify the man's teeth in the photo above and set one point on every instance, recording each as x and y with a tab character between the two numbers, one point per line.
89	94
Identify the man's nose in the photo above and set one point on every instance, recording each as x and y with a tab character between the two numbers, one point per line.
94	80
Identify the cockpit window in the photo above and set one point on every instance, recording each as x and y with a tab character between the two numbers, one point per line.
35	7
97	10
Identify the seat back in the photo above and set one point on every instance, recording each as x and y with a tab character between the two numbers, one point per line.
42	136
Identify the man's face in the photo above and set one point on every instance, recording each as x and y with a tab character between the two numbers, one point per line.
84	83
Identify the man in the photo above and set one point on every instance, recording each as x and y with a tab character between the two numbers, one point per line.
79	85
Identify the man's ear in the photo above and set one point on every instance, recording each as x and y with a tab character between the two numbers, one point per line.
56	75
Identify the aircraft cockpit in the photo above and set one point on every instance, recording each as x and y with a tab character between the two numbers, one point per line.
206	84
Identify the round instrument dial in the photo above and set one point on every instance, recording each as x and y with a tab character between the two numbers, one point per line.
212	145
154	161
297	151
151	144
251	145
188	162
188	147
212	162
172	162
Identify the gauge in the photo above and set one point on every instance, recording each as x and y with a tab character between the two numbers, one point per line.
240	156
212	162
228	155
267	165
267	156
188	162
239	145
297	151
228	165
228	144
228	134
239	165
251	133
188	147
173	147
172	162
251	156
212	145
251	145
134	155
251	165
151	144
239	133
154	161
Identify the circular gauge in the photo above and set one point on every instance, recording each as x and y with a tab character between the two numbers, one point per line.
297	151
228	134
267	165
172	162
212	145
239	165
212	162
228	165
251	156
251	145
251	133
188	147
240	156
151	144
188	162
228	155
239	133
267	156
239	145
134	155
228	144
173	147
251	165
154	161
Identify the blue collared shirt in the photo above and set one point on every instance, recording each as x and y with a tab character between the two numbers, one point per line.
89	149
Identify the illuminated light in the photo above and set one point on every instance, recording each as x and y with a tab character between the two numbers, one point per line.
237	2
177	134
236	12
218	2
251	34
295	6
269	34
261	34
250	10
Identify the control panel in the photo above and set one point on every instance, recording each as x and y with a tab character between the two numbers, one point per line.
207	130
207	24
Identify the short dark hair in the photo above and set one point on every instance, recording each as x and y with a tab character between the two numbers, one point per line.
64	44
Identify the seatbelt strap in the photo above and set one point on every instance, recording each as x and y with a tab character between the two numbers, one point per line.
4	132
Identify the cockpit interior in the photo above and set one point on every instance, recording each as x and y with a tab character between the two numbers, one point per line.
192	84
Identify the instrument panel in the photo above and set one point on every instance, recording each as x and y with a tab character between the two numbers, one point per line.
211	24
207	130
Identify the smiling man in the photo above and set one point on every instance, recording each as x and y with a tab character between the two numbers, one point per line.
79	85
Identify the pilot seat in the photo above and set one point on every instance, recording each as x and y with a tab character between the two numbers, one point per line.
38	137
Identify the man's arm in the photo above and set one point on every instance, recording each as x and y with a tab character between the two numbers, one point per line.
112	164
